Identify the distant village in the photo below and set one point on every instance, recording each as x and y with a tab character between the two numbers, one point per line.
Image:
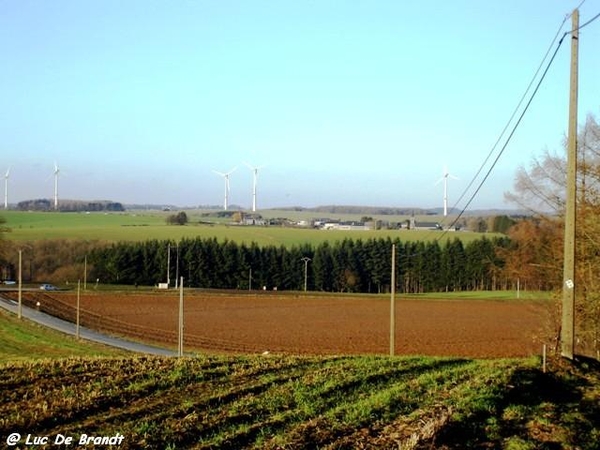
367	223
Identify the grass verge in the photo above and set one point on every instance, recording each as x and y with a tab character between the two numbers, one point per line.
23	340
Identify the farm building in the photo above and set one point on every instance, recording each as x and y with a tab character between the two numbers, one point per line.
350	225
414	225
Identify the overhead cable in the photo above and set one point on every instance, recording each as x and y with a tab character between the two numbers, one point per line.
514	129
584	25
513	115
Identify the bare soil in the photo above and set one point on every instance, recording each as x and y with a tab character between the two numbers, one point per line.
313	324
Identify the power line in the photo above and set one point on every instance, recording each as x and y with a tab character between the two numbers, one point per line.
514	113
584	25
514	129
518	121
578	7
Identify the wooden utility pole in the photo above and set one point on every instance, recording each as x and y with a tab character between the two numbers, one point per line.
77	331
180	324
20	308
567	333
393	304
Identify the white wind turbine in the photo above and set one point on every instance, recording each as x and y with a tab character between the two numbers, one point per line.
6	175
444	178
255	178
56	172
226	177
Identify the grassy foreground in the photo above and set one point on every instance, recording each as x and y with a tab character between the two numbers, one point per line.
273	402
276	401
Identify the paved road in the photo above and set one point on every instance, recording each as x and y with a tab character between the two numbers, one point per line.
85	333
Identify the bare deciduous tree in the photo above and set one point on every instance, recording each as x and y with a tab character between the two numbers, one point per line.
541	189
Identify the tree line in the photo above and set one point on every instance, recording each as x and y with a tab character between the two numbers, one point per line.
44	204
343	266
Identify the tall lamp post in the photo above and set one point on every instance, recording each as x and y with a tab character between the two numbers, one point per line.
306	259
177	265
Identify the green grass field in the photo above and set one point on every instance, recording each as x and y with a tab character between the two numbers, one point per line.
140	226
509	295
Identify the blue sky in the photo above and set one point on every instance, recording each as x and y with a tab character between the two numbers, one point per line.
342	102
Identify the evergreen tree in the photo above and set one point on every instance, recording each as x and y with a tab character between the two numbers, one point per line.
323	267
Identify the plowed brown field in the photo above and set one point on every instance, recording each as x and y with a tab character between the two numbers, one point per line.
299	324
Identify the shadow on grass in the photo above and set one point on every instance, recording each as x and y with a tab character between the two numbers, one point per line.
537	410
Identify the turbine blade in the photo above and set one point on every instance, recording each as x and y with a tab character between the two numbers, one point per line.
253	168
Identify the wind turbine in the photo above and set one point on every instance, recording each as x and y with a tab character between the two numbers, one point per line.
444	178
226	177
56	172
6	175
255	173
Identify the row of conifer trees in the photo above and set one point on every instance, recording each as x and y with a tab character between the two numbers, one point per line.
342	266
